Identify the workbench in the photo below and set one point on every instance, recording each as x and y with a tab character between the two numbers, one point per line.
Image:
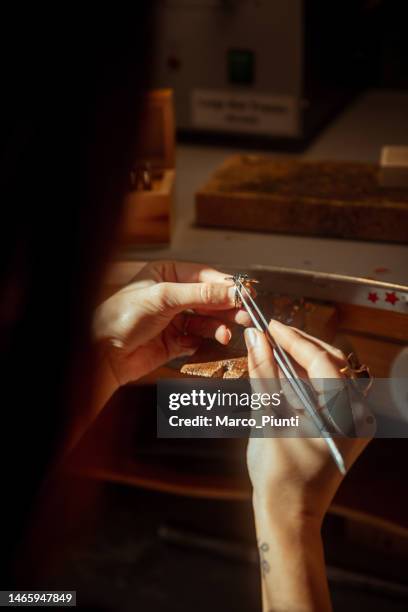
370	495
374	119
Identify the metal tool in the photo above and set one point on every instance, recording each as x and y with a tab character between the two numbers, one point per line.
244	280
302	390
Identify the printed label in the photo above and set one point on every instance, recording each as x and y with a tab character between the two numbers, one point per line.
243	112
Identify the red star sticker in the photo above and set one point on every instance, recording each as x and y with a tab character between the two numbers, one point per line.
391	298
373	297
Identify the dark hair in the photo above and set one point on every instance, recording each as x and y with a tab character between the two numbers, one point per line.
72	86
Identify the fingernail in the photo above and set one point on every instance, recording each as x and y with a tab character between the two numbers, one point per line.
251	337
223	334
226	333
243	318
117	343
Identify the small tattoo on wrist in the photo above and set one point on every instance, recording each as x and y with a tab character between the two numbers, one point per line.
263	549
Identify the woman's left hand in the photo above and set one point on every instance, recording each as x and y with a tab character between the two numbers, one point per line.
163	314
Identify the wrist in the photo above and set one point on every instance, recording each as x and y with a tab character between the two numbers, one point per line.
288	513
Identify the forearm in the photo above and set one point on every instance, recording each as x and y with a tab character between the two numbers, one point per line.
105	384
292	563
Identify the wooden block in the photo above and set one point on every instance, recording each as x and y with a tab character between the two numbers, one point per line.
147	216
318	198
394	167
236	367
381	323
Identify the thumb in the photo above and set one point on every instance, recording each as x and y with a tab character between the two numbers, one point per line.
262	368
180	296
261	363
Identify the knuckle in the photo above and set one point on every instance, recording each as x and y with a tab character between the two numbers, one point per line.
206	293
292	337
164	263
168	269
322	358
260	364
160	294
339	354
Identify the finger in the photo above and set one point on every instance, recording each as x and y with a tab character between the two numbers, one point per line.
261	363
238	316
206	327
326	387
150	356
184	345
184	272
326	379
179	296
262	368
316	360
200	273
291	396
335	352
178	340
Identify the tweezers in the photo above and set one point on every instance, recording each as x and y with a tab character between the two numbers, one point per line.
300	388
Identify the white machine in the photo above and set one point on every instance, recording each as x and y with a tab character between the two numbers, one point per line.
258	69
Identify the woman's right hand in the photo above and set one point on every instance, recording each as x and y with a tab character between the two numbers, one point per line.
296	474
294	480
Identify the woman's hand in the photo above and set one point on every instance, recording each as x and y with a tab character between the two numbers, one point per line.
296	475
163	314
294	480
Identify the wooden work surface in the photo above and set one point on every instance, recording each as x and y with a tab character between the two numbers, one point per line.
320	198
